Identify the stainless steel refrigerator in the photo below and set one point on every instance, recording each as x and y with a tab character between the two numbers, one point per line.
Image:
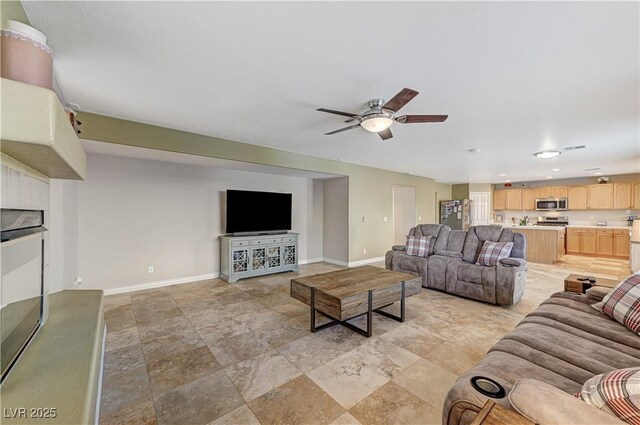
456	213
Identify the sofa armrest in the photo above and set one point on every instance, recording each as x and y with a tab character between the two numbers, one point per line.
398	248
546	404
513	262
597	293
452	254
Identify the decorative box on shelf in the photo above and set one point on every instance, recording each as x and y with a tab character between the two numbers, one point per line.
249	256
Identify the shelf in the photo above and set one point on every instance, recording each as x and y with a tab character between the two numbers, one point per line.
35	131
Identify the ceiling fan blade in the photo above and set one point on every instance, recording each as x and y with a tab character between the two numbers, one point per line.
399	100
331	111
412	119
341	130
385	134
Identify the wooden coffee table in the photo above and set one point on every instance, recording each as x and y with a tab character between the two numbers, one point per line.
572	284
346	294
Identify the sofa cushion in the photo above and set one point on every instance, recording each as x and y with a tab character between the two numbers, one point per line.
545	404
616	392
623	303
409	263
418	246
492	252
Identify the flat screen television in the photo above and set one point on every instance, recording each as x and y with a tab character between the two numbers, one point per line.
258	212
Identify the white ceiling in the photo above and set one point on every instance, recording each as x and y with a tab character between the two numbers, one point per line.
514	77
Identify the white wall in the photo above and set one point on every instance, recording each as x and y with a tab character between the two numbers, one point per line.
136	213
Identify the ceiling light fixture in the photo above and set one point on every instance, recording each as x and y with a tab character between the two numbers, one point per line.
598	173
549	177
556	169
376	123
503	175
507	181
547	154
474	150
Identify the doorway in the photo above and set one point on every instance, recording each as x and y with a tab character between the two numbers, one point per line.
479	207
404	212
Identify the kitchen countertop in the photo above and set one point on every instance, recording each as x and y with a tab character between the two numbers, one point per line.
600	227
516	226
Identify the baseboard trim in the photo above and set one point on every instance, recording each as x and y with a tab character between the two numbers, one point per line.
181	280
311	260
160	284
365	262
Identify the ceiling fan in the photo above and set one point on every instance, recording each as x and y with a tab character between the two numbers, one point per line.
381	115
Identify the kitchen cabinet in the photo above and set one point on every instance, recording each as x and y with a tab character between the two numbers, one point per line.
578	197
604	242
558	191
543	192
514	199
601	196
621	244
545	245
528	199
601	242
581	240
622	196
560	251
499	200
636	196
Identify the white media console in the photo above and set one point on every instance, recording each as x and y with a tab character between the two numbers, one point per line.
249	256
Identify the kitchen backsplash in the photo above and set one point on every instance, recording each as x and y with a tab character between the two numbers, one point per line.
585	218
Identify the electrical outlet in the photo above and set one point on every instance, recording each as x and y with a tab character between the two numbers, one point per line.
386	219
152	269
77	283
364	251
364	218
419	218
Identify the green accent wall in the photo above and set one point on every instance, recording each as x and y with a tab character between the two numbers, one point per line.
370	189
13	10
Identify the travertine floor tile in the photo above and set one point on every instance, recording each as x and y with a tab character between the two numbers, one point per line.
241	416
392	404
427	381
346	419
233	350
413	340
455	358
299	401
261	374
199	402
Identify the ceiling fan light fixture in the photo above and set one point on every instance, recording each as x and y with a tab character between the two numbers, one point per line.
546	154
376	123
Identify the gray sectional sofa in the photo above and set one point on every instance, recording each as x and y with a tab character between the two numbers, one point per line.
451	267
557	347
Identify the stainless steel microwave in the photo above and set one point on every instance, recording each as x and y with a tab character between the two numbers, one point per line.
551	204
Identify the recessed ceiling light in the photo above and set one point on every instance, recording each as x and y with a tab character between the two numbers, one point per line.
547	154
502	175
549	177
556	169
507	181
592	169
474	150
597	173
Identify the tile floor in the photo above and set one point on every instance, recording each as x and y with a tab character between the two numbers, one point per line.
216	353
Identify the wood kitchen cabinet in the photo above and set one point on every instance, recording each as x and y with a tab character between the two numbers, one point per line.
621	244
528	199
636	196
578	197
622	196
514	199
543	192
499	200
604	242
601	196
600	242
558	191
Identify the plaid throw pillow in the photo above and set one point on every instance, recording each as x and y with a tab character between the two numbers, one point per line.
623	303
616	392
418	246
492	252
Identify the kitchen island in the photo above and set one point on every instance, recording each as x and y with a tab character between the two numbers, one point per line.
545	244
